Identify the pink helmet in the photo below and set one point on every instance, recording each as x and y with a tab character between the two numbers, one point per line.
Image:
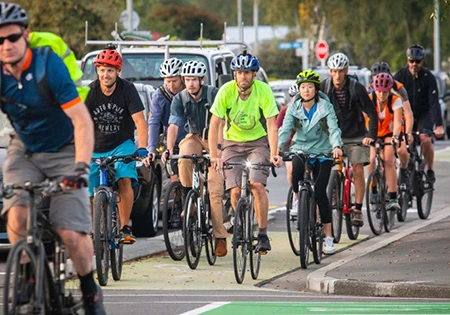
383	82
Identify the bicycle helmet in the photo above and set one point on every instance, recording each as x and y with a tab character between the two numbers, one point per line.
244	62
338	61
415	52
293	90
193	68
380	67
308	76
109	57
383	82
170	68
11	13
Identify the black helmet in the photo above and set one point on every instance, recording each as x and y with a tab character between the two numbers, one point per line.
11	13
380	67
415	52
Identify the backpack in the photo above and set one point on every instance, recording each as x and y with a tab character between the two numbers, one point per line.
323	121
164	92
389	103
353	79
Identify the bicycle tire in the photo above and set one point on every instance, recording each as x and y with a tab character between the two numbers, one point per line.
102	232
375	215
425	196
116	254
146	225
192	232
291	224
303	227
403	200
255	256
316	232
208	231
352	230
389	215
334	197
173	222
240	243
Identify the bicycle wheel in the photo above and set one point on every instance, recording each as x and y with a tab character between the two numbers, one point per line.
255	256
192	231
424	197
375	214
334	197
19	291
102	233
304	206
172	221
116	252
403	200
208	231
240	241
291	224
352	230
389	214
316	230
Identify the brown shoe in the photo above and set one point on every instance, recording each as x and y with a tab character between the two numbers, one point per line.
221	247
357	217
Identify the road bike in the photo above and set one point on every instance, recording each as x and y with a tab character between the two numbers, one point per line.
245	227
39	286
107	245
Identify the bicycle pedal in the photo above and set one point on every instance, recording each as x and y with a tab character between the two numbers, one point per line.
263	253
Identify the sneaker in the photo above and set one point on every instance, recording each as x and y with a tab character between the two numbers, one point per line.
431	177
393	205
221	247
263	245
294	210
357	217
126	236
329	248
93	305
373	198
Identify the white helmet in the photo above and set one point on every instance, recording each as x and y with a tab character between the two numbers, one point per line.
170	68
193	68
338	61
293	90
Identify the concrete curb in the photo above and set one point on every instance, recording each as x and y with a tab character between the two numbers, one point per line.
318	281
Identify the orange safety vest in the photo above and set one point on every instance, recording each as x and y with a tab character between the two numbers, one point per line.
386	125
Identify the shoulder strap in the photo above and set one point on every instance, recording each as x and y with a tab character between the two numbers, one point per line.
164	92
40	74
209	94
352	90
184	96
389	104
327	85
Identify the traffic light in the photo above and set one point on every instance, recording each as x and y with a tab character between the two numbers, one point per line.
302	12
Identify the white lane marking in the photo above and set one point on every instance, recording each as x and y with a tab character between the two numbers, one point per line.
205	308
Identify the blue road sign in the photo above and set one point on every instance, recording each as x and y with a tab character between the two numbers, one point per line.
290	45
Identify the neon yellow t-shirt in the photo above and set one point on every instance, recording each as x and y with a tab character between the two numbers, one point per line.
242	118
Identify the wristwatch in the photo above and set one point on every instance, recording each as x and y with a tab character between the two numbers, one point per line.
82	166
219	146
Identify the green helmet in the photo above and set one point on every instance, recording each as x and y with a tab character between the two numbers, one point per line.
308	76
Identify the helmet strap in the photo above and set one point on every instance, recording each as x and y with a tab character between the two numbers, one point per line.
306	101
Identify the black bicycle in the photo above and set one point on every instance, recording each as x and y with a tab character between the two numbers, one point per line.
35	270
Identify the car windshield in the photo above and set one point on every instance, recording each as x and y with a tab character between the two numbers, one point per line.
142	67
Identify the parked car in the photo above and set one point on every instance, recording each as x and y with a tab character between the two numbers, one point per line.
444	98
280	90
362	74
5	130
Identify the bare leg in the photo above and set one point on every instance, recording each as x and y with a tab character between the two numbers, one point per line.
261	203
126	200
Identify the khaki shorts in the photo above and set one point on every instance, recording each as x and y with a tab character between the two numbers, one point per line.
356	154
253	151
68	211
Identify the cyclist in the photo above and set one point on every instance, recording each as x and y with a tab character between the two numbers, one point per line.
423	95
246	105
293	90
350	100
51	140
192	105
170	70
304	117
389	109
116	109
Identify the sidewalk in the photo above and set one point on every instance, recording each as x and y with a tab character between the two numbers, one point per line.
412	261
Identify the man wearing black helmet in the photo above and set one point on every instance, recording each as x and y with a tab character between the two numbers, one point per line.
50	140
423	96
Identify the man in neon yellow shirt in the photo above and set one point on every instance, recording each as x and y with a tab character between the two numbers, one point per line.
248	108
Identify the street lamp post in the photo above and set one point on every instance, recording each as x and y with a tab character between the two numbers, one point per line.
437	46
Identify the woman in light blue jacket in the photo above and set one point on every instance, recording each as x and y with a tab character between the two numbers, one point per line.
316	131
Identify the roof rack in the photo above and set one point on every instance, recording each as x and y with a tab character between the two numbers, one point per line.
166	44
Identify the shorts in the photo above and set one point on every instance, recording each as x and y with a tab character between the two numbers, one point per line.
254	151
356	154
123	170
68	211
424	123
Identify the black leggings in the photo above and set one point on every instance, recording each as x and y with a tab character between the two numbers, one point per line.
321	175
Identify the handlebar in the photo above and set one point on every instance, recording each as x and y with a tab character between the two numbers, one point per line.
288	156
105	161
46	187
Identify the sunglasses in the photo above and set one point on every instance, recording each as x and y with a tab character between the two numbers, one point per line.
11	38
414	61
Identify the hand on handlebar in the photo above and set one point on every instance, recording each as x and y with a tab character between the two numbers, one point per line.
367	141
141	152
217	163
439	132
276	160
167	155
337	152
78	179
149	159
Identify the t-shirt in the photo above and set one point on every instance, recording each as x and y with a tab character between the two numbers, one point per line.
243	118
113	123
41	126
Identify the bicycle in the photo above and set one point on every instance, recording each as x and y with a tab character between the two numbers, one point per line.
197	226
341	194
377	213
291	223
245	226
38	287
107	245
309	226
417	183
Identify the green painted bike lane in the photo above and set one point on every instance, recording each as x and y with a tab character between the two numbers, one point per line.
335	308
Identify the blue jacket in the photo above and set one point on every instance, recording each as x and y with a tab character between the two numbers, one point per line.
159	115
310	136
